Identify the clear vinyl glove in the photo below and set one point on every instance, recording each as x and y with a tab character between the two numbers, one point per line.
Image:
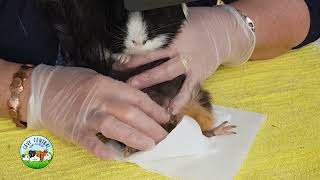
77	103
212	36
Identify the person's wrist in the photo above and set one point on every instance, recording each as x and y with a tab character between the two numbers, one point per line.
243	40
37	82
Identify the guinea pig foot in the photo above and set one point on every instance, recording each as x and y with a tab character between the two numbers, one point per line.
122	58
222	129
128	151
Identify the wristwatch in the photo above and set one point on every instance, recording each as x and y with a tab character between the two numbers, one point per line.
247	20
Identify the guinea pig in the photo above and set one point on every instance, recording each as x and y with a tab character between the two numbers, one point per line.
98	33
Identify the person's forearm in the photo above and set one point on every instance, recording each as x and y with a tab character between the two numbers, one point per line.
280	25
7	69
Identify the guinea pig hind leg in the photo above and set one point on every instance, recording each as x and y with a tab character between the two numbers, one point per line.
205	120
128	151
200	109
223	129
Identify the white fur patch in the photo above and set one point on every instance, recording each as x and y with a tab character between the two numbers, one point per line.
185	10
137	41
137	29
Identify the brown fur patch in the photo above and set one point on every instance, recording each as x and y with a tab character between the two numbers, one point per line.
199	113
199	108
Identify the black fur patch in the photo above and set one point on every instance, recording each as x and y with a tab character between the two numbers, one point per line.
83	28
167	20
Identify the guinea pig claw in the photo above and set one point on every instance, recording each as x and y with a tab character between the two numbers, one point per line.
122	58
222	129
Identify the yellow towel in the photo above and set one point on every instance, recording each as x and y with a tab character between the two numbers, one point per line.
287	89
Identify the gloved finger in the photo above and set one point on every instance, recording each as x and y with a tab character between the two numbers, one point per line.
99	149
115	129
137	119
146	105
139	60
141	100
177	103
165	72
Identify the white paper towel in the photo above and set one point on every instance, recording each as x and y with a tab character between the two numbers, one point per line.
187	154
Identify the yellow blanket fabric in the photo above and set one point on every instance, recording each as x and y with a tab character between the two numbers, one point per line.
287	89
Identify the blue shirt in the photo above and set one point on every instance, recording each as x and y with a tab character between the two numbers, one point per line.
26	36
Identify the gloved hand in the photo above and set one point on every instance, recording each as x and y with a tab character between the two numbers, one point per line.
212	36
77	103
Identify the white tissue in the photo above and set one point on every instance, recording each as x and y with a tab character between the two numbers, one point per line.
187	154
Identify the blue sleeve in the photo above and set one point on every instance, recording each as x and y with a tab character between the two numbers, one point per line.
26	36
203	3
314	31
